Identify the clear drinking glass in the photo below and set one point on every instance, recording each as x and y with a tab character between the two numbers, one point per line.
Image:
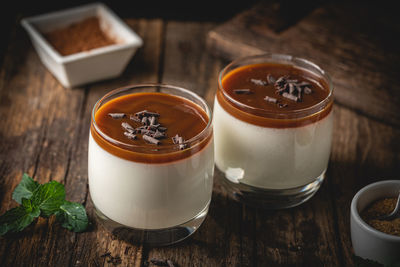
156	203
275	167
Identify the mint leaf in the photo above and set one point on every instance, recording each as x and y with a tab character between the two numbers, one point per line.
18	218
25	188
42	200
73	216
49	197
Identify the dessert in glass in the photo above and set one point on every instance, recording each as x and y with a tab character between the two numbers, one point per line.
273	124
151	162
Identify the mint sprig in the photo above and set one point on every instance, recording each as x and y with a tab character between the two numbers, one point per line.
25	188
16	219
72	216
42	200
49	197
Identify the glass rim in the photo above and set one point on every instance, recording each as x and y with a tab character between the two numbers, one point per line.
277	58
202	135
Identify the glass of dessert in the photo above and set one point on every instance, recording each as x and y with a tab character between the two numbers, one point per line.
151	162
273	124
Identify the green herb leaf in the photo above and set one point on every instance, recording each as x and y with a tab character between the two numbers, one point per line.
42	200
49	197
25	188
73	216
18	218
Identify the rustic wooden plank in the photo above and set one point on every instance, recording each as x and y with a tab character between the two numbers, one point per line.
363	151
302	235
36	137
186	62
346	39
44	131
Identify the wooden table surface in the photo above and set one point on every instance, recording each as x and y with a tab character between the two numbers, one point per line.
44	131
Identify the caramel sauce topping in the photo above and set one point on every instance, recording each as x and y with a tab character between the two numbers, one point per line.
255	92
178	115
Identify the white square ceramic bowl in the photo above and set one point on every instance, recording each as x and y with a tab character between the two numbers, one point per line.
89	66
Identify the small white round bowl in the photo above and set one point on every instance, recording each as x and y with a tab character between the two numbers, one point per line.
369	243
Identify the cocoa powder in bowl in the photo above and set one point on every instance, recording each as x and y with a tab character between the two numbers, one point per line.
81	36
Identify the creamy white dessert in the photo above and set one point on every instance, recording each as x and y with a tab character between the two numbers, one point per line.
150	196
286	158
273	127
151	160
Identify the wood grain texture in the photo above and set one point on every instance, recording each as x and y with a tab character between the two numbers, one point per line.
44	131
352	41
363	151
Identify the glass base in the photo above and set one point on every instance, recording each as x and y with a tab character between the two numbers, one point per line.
272	198
154	237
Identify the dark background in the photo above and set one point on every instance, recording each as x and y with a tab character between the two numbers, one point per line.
202	10
182	10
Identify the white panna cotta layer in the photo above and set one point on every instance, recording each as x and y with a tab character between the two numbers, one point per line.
150	196
271	158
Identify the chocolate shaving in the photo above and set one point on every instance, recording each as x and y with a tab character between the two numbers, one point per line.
128	127
258	82
151	130
148	113
130	135
145	121
175	139
158	135
145	113
117	115
151	140
242	91
271	79
179	140
270	99
141	128
281	81
290	96
153	127
282	105
140	114
291	89
281	89
303	84
147	132
307	90
153	120
134	118
299	90
183	146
